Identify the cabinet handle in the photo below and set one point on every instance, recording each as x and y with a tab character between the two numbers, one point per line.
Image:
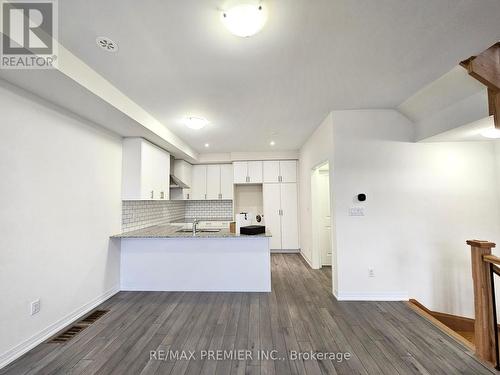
205	196
152	194
162	195
187	195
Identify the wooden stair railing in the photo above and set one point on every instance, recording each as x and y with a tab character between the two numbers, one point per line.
485	67
484	267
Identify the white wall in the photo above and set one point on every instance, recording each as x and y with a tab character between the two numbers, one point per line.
372	155
317	150
424	202
60	202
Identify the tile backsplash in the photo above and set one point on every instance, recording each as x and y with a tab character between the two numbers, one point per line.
142	214
217	209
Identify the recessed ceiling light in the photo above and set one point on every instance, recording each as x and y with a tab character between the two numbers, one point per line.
106	44
207	145
272	143
491	133
195	122
245	19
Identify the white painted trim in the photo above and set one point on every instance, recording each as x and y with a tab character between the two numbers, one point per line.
308	261
25	346
361	296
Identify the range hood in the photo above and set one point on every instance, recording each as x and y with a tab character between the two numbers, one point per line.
175	182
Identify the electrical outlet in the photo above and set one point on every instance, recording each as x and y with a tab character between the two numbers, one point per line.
35	307
371	272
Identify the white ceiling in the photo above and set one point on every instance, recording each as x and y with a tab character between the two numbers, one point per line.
176	59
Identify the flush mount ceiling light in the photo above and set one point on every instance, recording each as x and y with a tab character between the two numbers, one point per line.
207	145
244	20
491	133
272	143
106	44
195	122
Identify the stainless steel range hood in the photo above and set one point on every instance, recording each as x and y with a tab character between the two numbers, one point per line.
175	182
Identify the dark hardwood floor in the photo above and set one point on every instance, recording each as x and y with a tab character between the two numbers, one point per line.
300	315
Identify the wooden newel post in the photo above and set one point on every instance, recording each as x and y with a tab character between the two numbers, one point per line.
483	305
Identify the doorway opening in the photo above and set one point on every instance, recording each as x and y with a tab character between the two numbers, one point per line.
321	216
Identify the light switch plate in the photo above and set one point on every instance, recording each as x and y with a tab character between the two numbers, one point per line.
357	211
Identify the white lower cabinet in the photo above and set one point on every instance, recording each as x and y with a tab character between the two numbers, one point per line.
281	215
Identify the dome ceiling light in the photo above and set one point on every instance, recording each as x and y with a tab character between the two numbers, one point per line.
244	20
195	122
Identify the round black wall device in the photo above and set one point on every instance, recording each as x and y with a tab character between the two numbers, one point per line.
361	197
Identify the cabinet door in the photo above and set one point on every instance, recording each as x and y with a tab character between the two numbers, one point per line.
271	171
226	181
213	181
272	218
164	174
255	172
289	216
240	170
288	170
199	182
149	181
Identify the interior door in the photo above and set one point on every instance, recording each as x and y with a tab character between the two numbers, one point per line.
272	218
213	181
226	181
199	182
326	229
255	172
289	216
288	170
271	171
240	169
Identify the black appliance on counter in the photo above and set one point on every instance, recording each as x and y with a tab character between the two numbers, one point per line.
253	229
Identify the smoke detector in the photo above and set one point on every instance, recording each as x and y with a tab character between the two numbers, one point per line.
106	44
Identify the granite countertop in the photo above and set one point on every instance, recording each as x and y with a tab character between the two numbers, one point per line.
188	220
171	231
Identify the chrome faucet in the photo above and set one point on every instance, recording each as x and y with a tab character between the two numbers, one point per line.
195	224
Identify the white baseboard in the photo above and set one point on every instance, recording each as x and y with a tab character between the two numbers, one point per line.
22	348
388	296
306	259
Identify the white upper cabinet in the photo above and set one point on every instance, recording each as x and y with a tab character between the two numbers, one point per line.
226	181
280	171
213	182
199	182
255	172
288	170
145	171
240	169
271	171
247	172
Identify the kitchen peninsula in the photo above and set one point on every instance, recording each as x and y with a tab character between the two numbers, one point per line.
169	258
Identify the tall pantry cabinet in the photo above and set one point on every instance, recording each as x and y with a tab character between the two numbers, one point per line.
280	200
